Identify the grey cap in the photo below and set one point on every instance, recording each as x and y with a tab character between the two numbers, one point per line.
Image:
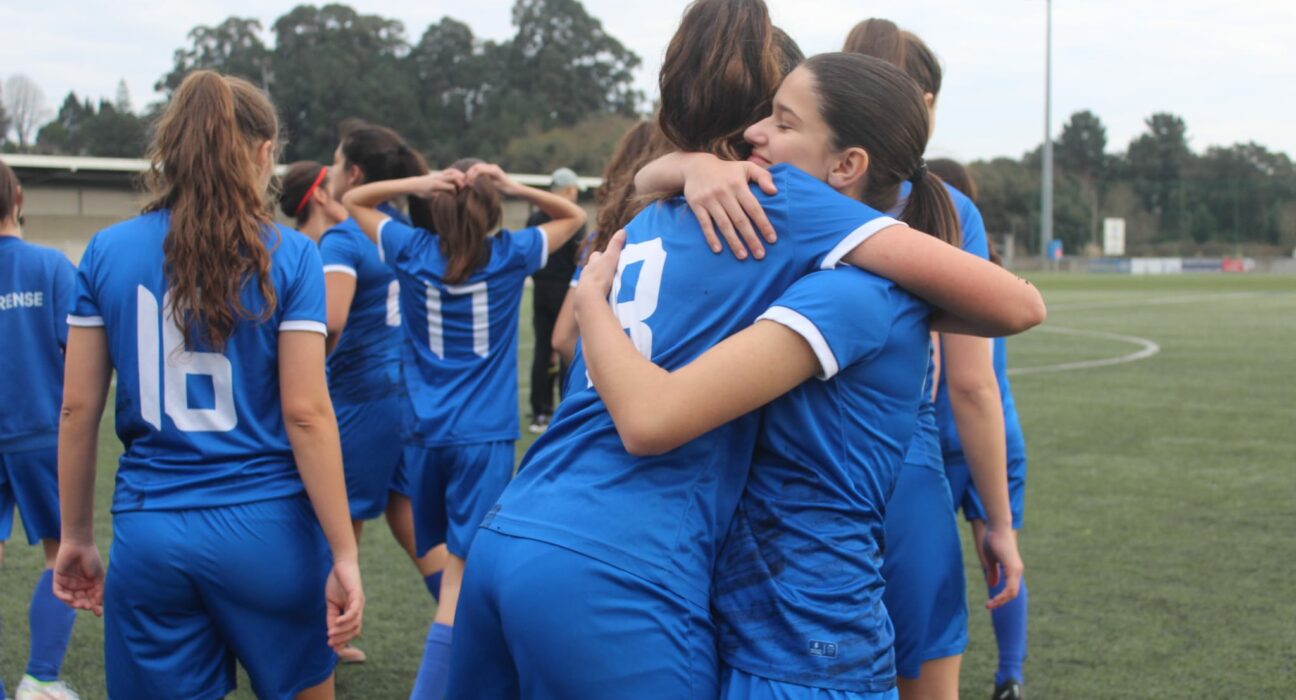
565	177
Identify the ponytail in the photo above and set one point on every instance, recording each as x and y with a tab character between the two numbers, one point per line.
929	209
463	222
204	169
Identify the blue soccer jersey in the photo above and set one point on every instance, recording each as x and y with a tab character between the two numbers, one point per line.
662	517
798	587
37	286
200	428
925	450
460	349
365	363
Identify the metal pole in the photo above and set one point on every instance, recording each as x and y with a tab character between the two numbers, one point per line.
1046	180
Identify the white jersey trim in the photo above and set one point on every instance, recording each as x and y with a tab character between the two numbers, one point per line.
309	326
805	328
381	255
85	321
544	247
344	269
856	237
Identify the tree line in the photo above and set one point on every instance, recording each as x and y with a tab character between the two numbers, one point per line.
559	92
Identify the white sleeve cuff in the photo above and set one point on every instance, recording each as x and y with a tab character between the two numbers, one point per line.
308	326
85	321
544	247
344	269
856	237
803	327
382	256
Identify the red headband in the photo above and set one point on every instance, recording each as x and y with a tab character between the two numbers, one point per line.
310	191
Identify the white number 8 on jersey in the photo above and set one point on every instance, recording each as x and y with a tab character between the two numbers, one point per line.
635	312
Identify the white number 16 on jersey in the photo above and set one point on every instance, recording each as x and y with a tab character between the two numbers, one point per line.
177	366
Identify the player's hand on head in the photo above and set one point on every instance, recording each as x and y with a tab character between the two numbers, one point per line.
344	599
448	180
719	194
79	577
492	172
601	269
1001	562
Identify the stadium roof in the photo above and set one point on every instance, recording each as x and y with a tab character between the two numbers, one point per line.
135	166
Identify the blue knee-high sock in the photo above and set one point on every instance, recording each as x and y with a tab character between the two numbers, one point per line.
434	672
433	583
51	628
1010	632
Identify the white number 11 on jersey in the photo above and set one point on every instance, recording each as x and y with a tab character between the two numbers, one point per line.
177	366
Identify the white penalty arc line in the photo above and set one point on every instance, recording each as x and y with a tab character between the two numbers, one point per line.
1147	348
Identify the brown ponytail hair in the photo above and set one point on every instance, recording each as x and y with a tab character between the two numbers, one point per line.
9	192
617	201
463	222
296	187
204	169
954	175
881	38
719	76
381	154
870	104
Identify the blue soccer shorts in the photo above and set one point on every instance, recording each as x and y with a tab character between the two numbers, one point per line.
541	622
30	479
371	453
926	592
452	488
964	494
191	591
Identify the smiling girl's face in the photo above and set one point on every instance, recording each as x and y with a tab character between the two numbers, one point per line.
794	133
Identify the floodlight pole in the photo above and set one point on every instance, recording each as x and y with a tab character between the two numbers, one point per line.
1046	180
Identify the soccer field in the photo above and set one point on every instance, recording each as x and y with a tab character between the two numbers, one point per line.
1161	506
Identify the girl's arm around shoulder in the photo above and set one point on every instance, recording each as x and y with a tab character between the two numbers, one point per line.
656	411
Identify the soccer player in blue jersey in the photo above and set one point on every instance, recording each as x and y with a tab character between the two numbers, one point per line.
797	590
592	576
36	289
1009	620
927	595
461	289
231	540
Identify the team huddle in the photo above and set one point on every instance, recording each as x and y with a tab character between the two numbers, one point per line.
780	391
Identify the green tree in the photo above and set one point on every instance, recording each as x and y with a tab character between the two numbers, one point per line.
1156	164
1009	198
584	147
332	63
81	129
233	47
1081	152
4	119
456	77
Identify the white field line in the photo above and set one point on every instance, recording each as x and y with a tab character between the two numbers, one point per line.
1183	299
1147	348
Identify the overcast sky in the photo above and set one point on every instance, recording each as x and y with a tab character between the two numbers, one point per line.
1227	67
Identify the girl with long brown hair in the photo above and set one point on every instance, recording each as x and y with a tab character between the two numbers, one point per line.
461	282
231	540
36	289
592	577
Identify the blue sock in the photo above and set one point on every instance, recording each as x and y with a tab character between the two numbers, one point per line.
434	672
1010	632
433	583
51	628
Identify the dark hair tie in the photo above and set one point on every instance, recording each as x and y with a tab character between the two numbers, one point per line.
919	173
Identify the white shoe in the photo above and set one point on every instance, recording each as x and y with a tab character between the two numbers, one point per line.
32	689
